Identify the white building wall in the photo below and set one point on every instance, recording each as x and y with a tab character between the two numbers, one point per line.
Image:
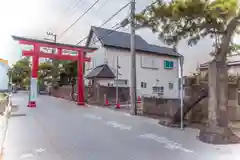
3	76
105	82
234	70
97	58
152	77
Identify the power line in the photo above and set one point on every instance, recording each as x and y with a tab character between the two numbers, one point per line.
149	6
72	6
109	19
66	10
79	18
88	36
109	32
75	7
125	29
115	14
104	3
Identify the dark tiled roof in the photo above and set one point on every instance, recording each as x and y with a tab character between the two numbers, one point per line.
229	63
102	71
122	40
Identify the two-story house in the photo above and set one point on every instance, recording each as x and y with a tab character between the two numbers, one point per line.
157	68
4	80
233	67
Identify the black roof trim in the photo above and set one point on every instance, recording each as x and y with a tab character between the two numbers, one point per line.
53	43
118	39
102	71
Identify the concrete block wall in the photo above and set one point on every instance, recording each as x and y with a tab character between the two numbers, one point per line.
110	92
200	112
160	107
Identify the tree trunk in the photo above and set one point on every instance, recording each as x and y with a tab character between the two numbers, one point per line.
217	130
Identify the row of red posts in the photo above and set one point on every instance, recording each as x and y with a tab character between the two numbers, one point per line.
118	104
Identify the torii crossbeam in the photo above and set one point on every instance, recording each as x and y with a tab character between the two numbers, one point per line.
37	52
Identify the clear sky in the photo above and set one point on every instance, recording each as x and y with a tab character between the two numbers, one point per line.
33	18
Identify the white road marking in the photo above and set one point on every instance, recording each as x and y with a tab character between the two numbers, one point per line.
118	125
168	144
91	106
40	150
26	156
92	116
127	114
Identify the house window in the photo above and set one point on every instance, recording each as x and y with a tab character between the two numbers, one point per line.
168	64
158	90
121	82
143	85
170	85
149	62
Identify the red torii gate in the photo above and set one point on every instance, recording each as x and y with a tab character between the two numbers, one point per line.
36	53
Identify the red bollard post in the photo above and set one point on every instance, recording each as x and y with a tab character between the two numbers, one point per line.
139	99
117	106
106	100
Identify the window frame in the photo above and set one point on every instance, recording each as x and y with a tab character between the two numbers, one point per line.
153	63
168	64
125	81
158	90
171	85
143	84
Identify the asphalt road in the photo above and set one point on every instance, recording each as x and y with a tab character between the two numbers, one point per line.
60	130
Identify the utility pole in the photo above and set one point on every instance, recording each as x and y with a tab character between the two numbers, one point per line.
117	100
133	61
181	90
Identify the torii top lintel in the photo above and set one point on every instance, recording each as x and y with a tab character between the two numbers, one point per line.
59	46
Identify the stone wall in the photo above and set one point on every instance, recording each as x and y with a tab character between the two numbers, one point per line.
160	107
62	92
3	103
65	92
199	114
96	96
110	92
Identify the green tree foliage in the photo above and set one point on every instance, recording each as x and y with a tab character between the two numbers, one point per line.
45	73
193	20
20	72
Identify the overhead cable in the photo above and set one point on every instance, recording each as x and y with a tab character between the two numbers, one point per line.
79	18
109	19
